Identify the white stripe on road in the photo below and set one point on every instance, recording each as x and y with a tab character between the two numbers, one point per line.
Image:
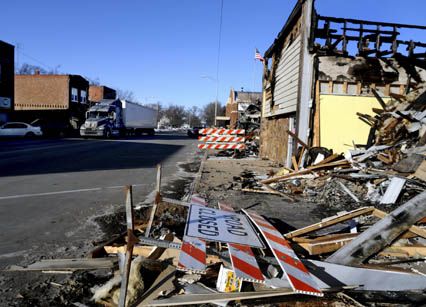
69	191
42	148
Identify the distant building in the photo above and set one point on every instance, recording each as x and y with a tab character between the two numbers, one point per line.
7	73
237	103
97	93
48	92
59	102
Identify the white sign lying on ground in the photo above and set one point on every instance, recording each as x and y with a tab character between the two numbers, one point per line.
221	226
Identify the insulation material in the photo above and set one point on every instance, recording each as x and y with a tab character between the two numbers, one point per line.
340	126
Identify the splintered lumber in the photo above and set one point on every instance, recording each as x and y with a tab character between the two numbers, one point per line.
330	221
306	171
382	233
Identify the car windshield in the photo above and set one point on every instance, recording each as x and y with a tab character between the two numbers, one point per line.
92	115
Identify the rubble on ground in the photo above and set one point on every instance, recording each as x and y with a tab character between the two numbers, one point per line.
372	251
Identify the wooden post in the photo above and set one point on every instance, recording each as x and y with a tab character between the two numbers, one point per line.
381	234
317	118
156	201
129	249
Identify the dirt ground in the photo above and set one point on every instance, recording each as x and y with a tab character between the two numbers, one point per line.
218	184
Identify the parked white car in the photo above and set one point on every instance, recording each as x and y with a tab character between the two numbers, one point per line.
16	129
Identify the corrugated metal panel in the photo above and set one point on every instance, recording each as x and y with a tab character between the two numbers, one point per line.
287	78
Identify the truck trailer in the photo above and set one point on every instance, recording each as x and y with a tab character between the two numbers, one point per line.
116	117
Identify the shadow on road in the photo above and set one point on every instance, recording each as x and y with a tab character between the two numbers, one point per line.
29	157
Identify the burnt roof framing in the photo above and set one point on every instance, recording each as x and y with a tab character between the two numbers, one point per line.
337	34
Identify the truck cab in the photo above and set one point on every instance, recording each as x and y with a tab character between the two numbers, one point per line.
103	119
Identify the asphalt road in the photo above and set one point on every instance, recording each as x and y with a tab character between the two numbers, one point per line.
50	189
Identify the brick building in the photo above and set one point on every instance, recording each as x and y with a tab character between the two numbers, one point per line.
59	102
237	103
7	73
97	93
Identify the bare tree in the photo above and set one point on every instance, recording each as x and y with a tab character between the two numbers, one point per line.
28	69
194	116
208	112
125	95
176	114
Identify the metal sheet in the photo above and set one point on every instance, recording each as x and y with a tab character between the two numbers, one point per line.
221	226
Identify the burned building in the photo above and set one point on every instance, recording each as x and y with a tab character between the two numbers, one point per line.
58	102
99	92
244	106
7	75
321	71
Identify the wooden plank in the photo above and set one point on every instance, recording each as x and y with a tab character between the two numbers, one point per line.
129	248
73	264
326	160
421	171
259	191
156	201
415	251
302	152
349	192
330	221
322	246
295	165
306	171
394	189
317	118
298	140
379	99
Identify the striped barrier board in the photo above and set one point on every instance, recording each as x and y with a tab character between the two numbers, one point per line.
295	271
221	146
192	257
242	258
221	131
216	138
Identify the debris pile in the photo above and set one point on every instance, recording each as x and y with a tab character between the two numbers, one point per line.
389	170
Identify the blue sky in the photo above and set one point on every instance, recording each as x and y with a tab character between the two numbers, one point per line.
161	49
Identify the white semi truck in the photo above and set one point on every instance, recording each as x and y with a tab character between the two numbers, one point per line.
116	117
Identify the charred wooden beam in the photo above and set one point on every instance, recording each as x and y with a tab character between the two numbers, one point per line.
381	234
367	22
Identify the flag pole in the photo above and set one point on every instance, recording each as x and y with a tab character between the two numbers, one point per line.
254	71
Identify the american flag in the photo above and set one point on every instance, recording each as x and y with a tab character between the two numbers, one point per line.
258	56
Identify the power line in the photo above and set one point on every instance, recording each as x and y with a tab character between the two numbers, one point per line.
218	61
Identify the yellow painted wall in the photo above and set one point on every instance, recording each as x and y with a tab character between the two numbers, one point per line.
339	124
